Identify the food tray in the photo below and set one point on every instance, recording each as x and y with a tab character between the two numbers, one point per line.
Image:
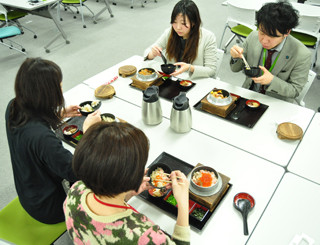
169	89
72	121
248	117
177	164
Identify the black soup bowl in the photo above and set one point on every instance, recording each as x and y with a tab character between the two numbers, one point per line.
253	71
168	68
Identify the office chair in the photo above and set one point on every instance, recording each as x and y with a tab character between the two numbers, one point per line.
308	33
67	4
243	16
13	16
7	32
306	88
142	3
18	227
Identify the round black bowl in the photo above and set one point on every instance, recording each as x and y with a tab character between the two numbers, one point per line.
108	115
165	168
85	113
253	71
168	68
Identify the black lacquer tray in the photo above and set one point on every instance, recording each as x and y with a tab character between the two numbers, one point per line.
177	164
248	117
72	121
169	89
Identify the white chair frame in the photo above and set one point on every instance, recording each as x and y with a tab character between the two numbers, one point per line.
300	98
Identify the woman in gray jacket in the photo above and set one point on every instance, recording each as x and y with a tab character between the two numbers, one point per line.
186	44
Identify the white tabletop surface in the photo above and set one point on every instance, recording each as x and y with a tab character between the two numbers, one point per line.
305	161
26	5
294	209
261	140
248	173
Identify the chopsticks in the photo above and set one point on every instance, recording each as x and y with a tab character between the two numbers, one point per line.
169	176
111	81
245	63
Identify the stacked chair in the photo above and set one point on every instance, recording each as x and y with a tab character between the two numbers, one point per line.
12	17
7	32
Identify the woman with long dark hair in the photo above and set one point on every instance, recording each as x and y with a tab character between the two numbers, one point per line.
39	161
186	43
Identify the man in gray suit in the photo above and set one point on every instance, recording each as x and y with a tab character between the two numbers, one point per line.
286	70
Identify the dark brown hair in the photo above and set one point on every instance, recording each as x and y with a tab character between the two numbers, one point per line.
186	8
111	157
38	93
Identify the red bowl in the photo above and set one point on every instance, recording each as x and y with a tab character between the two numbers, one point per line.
185	83
253	104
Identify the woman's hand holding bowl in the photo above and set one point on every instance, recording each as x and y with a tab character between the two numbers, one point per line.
91	119
71	111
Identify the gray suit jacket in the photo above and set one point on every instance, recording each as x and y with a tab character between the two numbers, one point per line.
290	72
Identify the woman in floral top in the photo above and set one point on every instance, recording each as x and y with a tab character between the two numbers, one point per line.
110	162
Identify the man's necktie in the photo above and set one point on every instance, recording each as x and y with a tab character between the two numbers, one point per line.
267	65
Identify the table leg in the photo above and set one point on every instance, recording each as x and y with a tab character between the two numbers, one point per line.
53	17
98	14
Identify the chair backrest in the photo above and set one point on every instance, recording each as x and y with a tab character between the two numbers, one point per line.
306	88
239	13
219	56
18	227
309	25
4	12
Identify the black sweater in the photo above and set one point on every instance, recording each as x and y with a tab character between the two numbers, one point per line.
39	163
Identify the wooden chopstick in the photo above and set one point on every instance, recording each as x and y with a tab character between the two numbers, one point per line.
246	63
169	175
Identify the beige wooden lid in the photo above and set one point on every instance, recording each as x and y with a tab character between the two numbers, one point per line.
104	92
127	70
289	131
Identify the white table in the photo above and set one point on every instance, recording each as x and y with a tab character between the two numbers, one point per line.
305	161
294	209
261	140
43	8
248	173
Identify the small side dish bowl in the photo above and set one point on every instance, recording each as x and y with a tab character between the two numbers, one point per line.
89	107
168	68
146	74
108	117
253	104
152	173
70	130
253	71
204	179
185	83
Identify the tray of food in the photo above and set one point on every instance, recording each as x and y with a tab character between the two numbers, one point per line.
200	207
232	107
169	87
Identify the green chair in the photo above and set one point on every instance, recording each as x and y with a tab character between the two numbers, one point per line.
244	17
13	16
307	32
18	227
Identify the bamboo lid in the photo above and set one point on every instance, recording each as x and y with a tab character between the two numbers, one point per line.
289	131
104	92
127	70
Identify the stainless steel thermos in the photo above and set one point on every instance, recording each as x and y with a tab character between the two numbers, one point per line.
180	118
151	108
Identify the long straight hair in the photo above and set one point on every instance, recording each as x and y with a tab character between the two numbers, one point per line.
186	8
38	93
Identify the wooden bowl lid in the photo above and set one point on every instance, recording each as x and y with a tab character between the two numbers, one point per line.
104	92
127	70
289	131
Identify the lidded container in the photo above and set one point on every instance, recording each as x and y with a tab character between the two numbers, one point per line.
181	118
151	107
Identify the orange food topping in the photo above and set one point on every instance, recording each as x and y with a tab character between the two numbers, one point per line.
206	179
